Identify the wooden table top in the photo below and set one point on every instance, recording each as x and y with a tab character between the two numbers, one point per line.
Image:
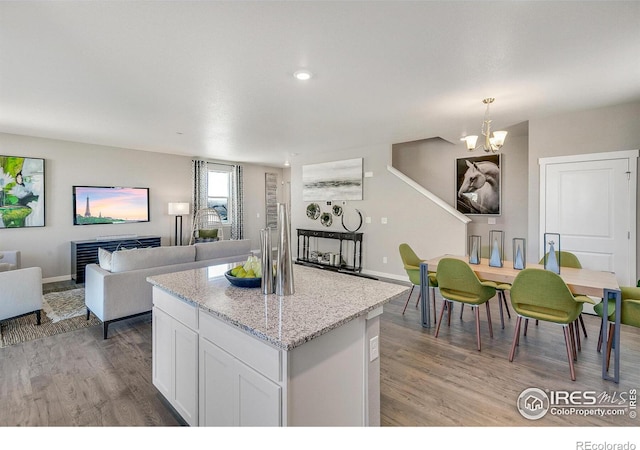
580	281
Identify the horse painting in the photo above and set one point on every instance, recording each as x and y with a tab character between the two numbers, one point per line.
479	188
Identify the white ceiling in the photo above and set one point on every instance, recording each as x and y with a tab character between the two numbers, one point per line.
214	78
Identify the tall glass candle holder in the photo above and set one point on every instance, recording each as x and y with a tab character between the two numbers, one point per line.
496	248
552	252
519	253
474	249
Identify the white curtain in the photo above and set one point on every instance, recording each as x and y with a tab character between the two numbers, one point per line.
237	221
200	177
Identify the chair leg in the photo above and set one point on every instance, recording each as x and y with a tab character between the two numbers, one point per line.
461	310
444	302
489	319
500	305
600	338
584	329
612	329
573	341
476	310
38	317
567	340
506	305
577	330
526	325
449	309
433	296
407	302
516	338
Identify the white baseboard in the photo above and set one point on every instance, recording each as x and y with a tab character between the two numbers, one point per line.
390	276
55	279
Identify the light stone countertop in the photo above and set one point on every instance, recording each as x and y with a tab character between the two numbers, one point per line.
323	300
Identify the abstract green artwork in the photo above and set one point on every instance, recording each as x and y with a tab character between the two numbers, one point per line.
21	192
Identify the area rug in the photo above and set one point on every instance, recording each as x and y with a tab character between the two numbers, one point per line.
62	312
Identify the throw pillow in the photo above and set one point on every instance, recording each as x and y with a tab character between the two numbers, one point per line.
208	234
104	259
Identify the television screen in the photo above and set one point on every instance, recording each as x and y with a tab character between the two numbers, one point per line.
94	205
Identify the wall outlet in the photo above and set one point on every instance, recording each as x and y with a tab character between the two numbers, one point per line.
383	221
258	215
384	260
374	351
368	174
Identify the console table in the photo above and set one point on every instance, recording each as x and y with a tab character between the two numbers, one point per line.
353	261
86	252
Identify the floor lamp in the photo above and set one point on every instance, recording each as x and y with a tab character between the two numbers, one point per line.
178	209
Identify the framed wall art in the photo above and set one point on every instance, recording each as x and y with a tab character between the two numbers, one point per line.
21	192
335	180
478	185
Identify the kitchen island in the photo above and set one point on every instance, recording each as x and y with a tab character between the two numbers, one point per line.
230	356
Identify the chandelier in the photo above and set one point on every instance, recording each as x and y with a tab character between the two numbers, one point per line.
491	143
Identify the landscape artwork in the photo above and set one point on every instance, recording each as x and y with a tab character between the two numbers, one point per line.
478	185
21	192
335	180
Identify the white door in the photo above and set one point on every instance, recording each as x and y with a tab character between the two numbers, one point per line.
590	200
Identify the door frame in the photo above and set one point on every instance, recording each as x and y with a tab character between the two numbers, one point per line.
632	156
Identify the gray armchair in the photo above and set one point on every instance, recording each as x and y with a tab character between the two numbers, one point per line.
21	293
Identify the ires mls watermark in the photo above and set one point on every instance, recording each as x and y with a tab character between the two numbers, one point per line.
535	403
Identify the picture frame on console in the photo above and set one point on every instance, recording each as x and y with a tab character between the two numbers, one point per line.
22	193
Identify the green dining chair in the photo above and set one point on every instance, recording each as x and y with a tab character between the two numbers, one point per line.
458	282
502	300
411	264
629	315
568	259
543	295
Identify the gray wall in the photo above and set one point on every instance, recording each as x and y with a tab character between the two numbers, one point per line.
72	163
431	163
411	218
607	129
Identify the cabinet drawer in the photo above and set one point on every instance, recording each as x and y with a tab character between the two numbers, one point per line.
260	356
176	308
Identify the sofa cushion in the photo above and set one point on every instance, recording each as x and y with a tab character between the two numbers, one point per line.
208	234
104	259
5	267
222	249
144	258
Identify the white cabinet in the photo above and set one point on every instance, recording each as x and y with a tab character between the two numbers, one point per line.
175	364
232	393
217	374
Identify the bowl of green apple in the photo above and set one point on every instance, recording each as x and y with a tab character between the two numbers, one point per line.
247	275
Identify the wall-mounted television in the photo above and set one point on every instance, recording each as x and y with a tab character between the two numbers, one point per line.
94	205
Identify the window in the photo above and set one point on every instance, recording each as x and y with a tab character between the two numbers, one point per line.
219	191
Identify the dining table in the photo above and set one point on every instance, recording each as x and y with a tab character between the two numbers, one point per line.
596	284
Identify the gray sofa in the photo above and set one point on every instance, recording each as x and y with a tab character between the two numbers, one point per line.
117	288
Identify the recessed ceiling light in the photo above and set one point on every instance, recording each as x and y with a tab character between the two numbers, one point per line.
287	163
302	75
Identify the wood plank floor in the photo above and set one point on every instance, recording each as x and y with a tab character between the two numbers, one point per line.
447	382
79	379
